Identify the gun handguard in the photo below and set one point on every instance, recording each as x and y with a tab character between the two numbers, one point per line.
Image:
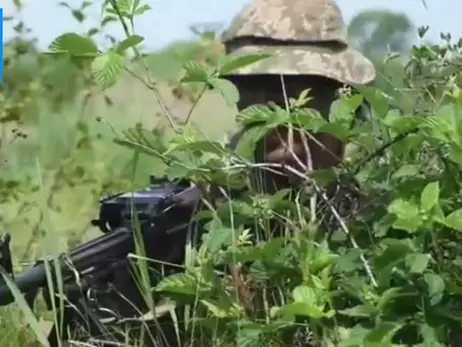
95	253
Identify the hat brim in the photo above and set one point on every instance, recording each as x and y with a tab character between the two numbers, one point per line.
347	66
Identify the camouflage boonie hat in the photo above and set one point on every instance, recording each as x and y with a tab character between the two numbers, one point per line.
309	38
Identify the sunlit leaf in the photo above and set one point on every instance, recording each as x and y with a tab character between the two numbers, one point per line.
382	334
107	67
436	287
429	196
183	283
227	89
74	44
358	311
195	72
343	110
454	220
417	263
129	42
233	63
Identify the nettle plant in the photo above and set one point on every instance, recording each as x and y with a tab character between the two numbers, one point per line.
385	273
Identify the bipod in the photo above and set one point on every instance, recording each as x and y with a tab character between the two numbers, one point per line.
79	311
68	320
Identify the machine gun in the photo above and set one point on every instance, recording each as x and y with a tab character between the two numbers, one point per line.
98	278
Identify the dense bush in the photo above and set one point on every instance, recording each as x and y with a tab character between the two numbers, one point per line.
387	271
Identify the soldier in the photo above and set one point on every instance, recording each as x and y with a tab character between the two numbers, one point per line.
309	48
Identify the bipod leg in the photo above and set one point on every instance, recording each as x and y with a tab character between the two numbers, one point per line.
80	312
53	336
96	327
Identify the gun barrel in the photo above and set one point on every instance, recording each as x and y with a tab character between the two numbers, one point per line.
98	252
28	280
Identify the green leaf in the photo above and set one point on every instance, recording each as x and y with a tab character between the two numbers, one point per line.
78	15
438	215
430	336
305	294
343	110
218	237
366	311
455	153
129	42
307	303
85	4
108	19
429	196
270	249
175	171
392	255
406	170
407	213
388	297
352	337
183	283
300	102
400	123
436	287
248	141
339	130
249	337
376	98
124	6
227	89
417	262
441	127
143	141
382	334
322	258
409	225
271	116
265	251
195	72
221	309
200	147
403	209
142	9
106	68
349	261
74	44
454	220
309	119
233	63
303	309
92	31
64	4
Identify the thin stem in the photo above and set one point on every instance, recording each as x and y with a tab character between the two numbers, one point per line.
151	84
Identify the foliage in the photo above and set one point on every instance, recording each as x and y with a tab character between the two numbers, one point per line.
386	272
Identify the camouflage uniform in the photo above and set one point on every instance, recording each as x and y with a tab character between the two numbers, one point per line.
307	41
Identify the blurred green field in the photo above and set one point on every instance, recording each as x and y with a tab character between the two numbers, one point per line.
49	214
53	142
